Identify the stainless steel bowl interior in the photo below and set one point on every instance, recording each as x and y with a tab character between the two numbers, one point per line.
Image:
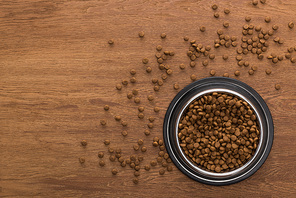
212	174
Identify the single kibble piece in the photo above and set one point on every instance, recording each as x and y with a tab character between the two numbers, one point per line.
267	19
153	163
133	72
202	28
140	142
135	181
111	42
150	125
263	1
212	56
158	47
114	171
83	143
212	72
156	109
226	11
216	15
225	56
145	60
251	72
214	7
226	24
186	38
129	95
125	82
110	150
225	75
248	19
141	34
106	107
141	109
169	71
161	171
277	86
293	60
236	73
103	122
101	154
255	2
148	69
268	71
144	149
254	67
124	123
290	25
101	163
150	97
137	100
205	62
141	115
124	133
176	86
136	147
182	66
147	167
135	92
118	87
193	77
82	160
163	35
106	142
117	117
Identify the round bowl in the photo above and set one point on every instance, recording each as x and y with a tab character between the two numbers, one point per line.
197	89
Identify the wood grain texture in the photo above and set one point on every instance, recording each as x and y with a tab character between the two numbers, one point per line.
57	71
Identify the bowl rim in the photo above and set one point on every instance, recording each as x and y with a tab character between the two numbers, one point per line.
240	85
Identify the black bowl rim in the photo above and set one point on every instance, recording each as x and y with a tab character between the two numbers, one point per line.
260	100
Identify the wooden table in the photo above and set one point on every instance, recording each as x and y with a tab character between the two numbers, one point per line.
58	71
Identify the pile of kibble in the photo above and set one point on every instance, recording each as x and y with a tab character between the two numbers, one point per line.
219	131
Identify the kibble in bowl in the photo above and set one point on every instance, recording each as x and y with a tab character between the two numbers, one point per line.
218	131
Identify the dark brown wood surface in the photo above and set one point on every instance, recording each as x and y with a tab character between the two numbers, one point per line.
58	71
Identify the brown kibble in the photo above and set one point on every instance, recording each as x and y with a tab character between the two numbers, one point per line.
156	109
254	67
268	71
225	56
155	144
124	133
117	118
161	171
118	86
151	119
124	123
212	56
106	107
150	97
140	142
124	82
216	15
170	168
147	167
163	35
141	115
103	122
107	142
129	95
145	60
82	160
83	143
150	125
144	149
214	7
205	62
290	25
255	2
251	72
176	86
263	1
193	77
212	72
186	38
226	11
111	42
225	75
293	60
192	64
169	71
202	28
141	34
248	19
277	86
267	19
101	163
141	109
137	100
101	154
148	69
112	158
226	24
182	66
136	147
114	171
147	132
158	47
236	73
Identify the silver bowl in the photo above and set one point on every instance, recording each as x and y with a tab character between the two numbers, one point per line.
197	89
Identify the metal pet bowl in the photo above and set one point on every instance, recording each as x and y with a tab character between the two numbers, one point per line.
197	89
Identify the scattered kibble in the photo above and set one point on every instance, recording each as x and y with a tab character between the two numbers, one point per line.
290	25
176	86
114	171
202	28
82	160
277	86
163	35
267	19
111	42
226	10
103	122
141	34
83	143
101	163
124	133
